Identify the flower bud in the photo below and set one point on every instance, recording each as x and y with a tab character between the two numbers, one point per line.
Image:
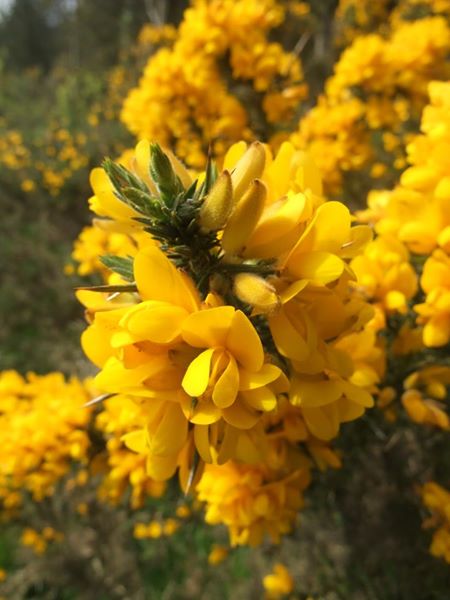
256	291
249	167
244	218
217	205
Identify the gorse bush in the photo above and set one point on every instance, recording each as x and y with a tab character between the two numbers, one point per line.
267	310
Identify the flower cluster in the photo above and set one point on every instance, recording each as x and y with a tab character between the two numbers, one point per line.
279	583
405	271
43	431
193	96
124	469
372	102
225	325
38	541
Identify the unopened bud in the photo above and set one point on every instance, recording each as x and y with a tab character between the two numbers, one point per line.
244	218
166	180
217	205
256	291
249	167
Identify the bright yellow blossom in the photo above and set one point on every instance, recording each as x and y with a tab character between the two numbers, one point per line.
279	583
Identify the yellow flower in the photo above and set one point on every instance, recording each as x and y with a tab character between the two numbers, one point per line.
154	530
43	431
170	526
183	511
251	500
188	362
279	583
434	313
437	500
185	99
217	554
385	275
424	411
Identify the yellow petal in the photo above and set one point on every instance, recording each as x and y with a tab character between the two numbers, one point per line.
287	339
196	378
228	445
327	232
318	267
260	399
158	279
201	439
136	441
323	422
171	432
357	395
349	411
226	388
105	203
240	416
292	290
141	164
280	168
244	343
179	169
234	153
96	344
360	236
252	381
314	393
158	322
208	328
278	220
308	175
161	468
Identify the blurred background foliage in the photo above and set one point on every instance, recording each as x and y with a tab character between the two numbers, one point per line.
66	67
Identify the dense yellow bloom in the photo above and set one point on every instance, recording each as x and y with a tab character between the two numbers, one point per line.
385	275
378	86
251	501
184	98
417	210
43	429
434	313
279	583
239	353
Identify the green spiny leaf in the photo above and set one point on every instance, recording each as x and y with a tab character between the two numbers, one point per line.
123	266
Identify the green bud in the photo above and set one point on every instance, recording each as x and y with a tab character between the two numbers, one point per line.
166	180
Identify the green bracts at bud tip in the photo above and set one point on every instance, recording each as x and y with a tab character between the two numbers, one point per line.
249	167
167	181
217	206
244	218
